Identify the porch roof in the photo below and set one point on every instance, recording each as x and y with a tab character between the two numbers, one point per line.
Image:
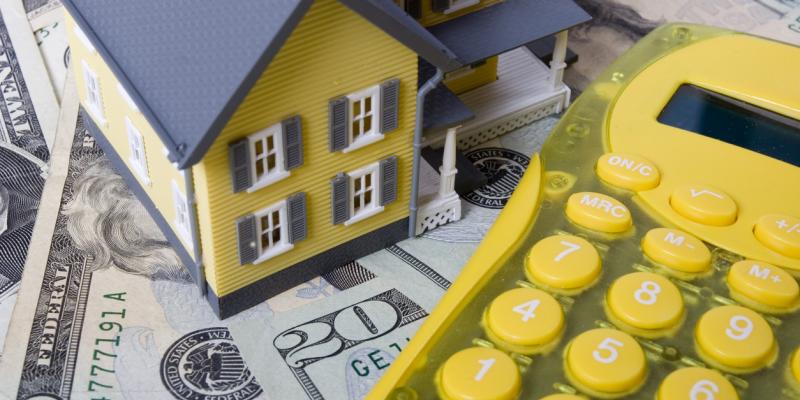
506	26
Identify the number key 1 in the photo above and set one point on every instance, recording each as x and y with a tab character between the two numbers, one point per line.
479	373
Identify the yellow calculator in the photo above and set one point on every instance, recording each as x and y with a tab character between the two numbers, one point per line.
652	250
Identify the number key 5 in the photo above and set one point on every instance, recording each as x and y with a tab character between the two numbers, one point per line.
605	363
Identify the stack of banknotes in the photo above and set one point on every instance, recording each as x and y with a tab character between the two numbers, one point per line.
77	320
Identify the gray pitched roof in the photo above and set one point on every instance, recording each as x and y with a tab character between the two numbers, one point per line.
188	64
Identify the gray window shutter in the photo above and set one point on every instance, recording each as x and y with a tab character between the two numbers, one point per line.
390	98
246	238
292	142
340	198
337	121
388	168
239	155
296	209
440	5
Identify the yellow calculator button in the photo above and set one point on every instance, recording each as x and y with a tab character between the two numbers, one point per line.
696	383
763	283
480	373
525	317
563	396
645	300
677	250
735	339
794	365
780	233
607	361
563	262
628	171
598	212
704	204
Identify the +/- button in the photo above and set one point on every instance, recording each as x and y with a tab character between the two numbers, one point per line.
628	171
763	283
525	319
564	262
598	212
696	383
480	373
735	339
605	361
704	204
677	250
780	233
645	300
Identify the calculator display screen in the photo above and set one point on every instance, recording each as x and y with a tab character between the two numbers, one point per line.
733	121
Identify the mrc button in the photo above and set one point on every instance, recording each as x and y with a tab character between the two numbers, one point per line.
628	171
598	212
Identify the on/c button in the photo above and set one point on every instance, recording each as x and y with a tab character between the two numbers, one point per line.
628	171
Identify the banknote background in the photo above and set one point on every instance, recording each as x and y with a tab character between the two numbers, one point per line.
91	326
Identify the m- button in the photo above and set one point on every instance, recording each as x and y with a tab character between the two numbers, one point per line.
677	250
704	204
780	233
628	171
598	212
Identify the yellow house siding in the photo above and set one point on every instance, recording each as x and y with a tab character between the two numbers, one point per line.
430	17
331	53
116	109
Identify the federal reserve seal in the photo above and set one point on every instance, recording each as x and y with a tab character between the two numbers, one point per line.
205	364
503	168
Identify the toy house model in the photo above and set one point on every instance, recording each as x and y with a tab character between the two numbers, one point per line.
273	140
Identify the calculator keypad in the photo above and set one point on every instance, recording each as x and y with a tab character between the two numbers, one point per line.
524	319
605	361
480	373
677	250
695	383
645	301
704	204
563	262
735	339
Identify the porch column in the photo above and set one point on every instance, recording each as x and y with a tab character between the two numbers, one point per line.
448	169
557	64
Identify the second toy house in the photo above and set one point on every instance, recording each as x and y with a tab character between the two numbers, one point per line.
271	140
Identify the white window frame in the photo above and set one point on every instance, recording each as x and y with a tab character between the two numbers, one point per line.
136	142
84	39
125	96
374	207
182	222
372	135
458	5
94	95
283	221
279	172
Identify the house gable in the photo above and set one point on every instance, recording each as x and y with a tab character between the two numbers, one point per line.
333	52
